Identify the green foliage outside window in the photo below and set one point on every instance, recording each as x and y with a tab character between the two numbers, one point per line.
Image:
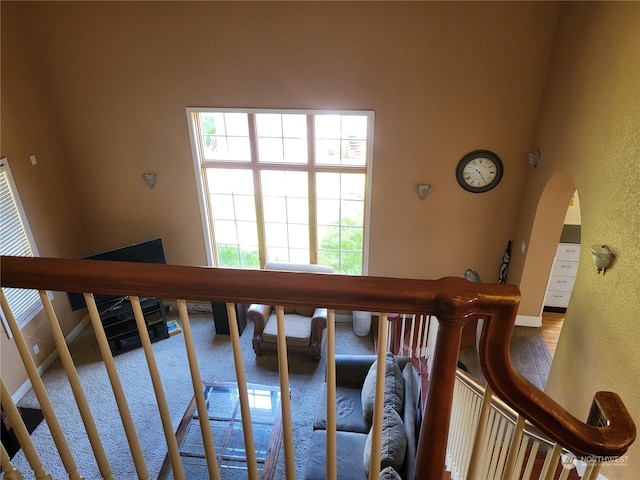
342	248
208	128
232	256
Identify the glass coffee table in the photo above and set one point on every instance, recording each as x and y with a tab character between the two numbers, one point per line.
223	404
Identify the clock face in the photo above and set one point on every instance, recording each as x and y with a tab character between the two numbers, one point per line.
479	171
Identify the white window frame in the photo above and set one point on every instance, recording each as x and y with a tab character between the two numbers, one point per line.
25	304
198	169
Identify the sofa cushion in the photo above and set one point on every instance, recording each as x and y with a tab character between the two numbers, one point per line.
390	474
349	415
298	267
410	418
301	310
349	446
297	329
393	387
394	442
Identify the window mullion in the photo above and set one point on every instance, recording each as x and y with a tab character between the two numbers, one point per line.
205	186
209	212
257	189
311	178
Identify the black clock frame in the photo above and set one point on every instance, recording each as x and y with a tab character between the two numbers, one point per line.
479	154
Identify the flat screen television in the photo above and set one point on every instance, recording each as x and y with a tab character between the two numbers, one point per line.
151	251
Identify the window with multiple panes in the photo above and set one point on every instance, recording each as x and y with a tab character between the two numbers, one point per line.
16	240
283	186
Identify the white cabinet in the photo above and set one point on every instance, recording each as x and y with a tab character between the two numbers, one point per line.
563	275
568	252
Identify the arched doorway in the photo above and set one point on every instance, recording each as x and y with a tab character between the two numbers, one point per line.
563	275
546	234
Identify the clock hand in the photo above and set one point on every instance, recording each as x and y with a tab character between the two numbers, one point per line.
480	173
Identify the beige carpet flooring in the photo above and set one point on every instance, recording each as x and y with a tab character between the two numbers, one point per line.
216	364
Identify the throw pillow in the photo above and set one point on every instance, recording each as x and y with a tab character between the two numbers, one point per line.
394	441
393	387
409	418
389	474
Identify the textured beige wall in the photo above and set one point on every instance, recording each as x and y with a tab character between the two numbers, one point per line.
443	79
98	90
47	194
588	131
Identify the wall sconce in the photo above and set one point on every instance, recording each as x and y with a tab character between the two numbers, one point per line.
534	159
423	189
602	257
149	179
471	275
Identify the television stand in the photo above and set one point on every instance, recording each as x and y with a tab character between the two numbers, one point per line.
120	327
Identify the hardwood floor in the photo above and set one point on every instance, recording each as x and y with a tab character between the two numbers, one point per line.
531	350
551	326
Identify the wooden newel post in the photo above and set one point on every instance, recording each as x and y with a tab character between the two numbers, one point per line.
432	444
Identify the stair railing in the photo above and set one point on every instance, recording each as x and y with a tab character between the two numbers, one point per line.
414	336
489	440
609	429
452	301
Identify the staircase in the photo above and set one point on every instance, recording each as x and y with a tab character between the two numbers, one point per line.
487	440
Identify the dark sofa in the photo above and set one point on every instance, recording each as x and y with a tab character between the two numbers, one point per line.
354	422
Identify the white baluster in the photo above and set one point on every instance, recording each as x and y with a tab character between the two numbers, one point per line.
287	424
156	381
419	353
116	386
413	324
526	475
331	454
404	318
196	380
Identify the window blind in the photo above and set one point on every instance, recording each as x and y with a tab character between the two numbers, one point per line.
16	240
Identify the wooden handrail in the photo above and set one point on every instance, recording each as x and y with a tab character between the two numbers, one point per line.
609	430
342	292
452	300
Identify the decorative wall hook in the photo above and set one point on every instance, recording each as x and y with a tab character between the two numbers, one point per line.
602	257
423	189
149	179
534	158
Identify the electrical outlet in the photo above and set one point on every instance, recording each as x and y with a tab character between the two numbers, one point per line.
33	160
36	349
523	247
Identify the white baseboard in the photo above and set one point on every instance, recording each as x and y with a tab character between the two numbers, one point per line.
24	388
528	321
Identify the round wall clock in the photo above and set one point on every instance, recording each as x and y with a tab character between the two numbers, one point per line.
479	171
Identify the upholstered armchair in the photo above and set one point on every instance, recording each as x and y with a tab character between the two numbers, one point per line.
304	326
